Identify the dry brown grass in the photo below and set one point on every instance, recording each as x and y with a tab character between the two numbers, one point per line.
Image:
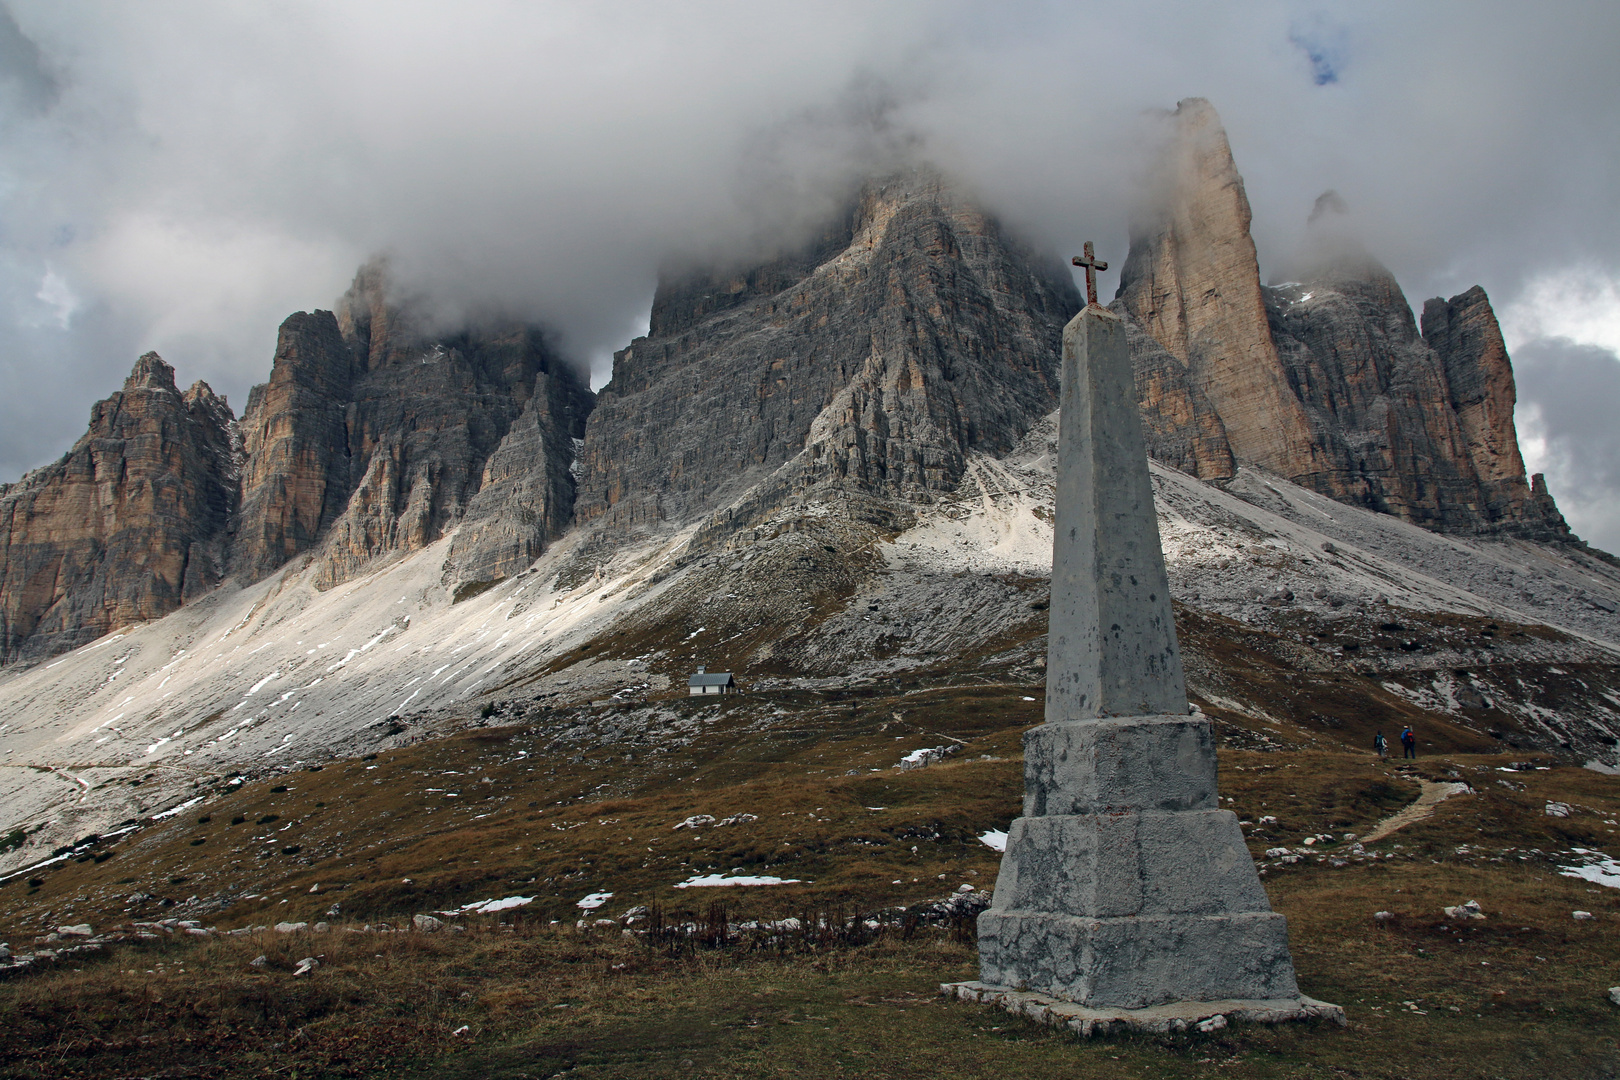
1521	994
1519	997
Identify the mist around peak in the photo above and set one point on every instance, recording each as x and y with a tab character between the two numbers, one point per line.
180	179
1330	249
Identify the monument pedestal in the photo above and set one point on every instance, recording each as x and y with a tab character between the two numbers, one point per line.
1124	884
1127	892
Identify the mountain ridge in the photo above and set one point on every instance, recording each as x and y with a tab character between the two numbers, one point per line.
911	332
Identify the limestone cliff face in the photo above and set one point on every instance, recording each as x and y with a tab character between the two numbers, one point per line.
1325	380
525	498
371	436
1180	424
1464	333
871	361
1192	282
374	435
1377	397
127	526
295	479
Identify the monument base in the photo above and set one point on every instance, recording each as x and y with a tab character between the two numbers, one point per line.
1125	886
1138	961
1157	1019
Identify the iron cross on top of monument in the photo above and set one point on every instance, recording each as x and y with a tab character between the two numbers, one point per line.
1089	261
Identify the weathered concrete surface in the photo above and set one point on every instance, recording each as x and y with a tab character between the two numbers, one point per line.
1104	766
1157	1020
1124	885
1109	866
1111	650
1137	961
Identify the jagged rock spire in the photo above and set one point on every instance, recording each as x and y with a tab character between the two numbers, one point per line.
1192	281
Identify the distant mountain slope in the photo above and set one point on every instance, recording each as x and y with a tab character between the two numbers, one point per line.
868	366
833	466
374	436
1504	635
374	433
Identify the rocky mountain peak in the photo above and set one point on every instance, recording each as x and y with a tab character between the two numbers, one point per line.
1334	258
871	360
1192	282
150	372
1325	379
375	324
200	394
372	436
1464	334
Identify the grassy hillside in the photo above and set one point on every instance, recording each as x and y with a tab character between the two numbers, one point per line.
558	804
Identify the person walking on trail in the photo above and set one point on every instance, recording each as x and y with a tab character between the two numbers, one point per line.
1409	744
1381	746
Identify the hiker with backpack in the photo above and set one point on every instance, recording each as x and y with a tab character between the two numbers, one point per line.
1409	744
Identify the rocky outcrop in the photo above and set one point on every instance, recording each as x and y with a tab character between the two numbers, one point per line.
526	496
1325	380
1192	282
127	526
295	479
373	436
1181	426
871	361
1377	398
1464	333
1546	521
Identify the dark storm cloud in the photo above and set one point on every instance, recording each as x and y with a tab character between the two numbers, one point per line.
182	175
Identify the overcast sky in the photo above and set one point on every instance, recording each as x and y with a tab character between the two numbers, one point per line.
181	176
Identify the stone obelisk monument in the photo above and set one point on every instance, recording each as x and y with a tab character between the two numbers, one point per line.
1126	894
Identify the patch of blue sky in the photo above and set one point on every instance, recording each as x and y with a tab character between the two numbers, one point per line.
1325	51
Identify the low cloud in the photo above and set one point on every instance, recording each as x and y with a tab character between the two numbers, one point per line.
182	175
